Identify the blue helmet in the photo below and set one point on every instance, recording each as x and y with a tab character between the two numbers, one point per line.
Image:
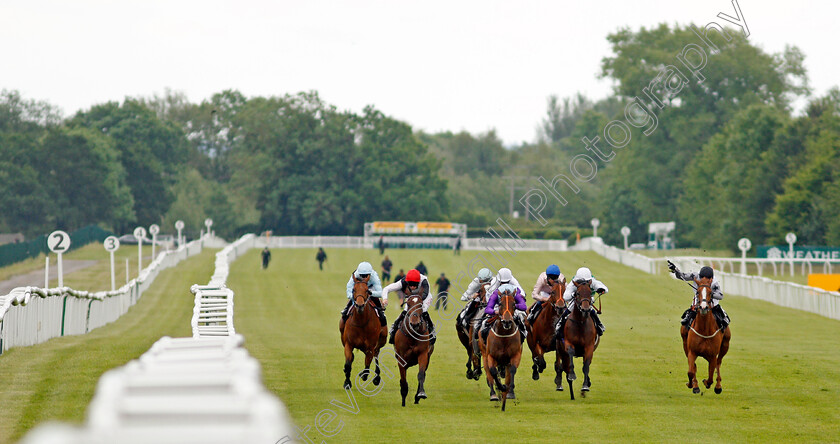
553	269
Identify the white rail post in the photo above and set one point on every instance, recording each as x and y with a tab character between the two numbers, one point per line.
59	242
744	244
791	239
139	234
111	245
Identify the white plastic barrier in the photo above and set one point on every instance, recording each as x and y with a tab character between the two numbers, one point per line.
359	242
31	315
181	391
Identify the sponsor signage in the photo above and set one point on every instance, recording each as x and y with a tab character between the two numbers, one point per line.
799	252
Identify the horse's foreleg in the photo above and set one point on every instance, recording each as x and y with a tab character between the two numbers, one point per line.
712	367
377	379
366	372
510	381
537	356
692	371
348	364
492	375
422	364
403	384
558	369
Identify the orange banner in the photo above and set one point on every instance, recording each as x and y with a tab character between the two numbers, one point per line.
830	282
434	226
391	225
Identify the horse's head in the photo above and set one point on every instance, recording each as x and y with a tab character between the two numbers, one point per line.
507	304
482	293
583	297
361	292
415	311
704	294
558	287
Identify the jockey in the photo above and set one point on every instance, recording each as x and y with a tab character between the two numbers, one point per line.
542	289
365	272
471	312
492	309
705	272
583	276
504	277
414	283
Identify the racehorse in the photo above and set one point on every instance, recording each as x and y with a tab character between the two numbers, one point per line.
580	338
362	331
466	337
541	333
704	338
412	345
502	350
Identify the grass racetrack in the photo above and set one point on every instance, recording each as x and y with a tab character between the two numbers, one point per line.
781	377
55	380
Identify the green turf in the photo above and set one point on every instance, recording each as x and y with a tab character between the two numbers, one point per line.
55	380
780	379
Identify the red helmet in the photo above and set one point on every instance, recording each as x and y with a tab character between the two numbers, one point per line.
412	276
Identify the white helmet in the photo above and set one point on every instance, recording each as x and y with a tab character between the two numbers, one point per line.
505	275
363	268
583	274
485	275
507	287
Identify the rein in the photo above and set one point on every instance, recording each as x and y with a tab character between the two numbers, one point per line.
516	327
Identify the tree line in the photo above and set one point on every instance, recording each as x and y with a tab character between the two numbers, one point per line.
728	158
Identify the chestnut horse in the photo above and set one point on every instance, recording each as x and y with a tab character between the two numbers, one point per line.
411	343
705	339
466	337
362	331
502	350
580	339
541	333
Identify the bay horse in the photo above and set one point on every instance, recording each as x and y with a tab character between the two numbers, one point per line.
466	336
502	350
705	339
363	332
412	345
541	333
580	338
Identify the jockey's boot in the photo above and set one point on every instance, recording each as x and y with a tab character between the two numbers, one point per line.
432	332
598	325
395	327
721	317
561	324
380	311
485	329
535	311
688	317
523	332
346	312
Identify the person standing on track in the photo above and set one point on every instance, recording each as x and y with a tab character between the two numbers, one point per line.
266	257
321	257
400	276
386	269
442	286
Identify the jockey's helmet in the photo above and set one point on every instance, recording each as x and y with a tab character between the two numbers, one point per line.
413	277
707	272
485	275
364	269
583	275
510	288
505	275
552	272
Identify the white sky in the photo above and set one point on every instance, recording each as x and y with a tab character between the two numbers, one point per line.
438	65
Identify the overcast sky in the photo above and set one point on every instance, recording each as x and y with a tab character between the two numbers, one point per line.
438	65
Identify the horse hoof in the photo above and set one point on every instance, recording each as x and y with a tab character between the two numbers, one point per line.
477	375
494	397
377	380
571	377
696	390
707	383
511	395
469	374
364	375
718	390
347	385
584	389
559	388
536	375
421	395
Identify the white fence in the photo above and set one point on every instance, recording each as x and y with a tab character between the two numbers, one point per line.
205	390
31	315
786	294
359	242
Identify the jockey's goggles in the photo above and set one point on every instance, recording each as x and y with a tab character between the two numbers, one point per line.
553	277
582	282
364	276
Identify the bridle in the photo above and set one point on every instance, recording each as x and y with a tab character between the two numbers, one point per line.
505	302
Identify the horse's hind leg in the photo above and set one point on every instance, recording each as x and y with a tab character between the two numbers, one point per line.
348	365
377	379
558	380
537	355
490	366
724	347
